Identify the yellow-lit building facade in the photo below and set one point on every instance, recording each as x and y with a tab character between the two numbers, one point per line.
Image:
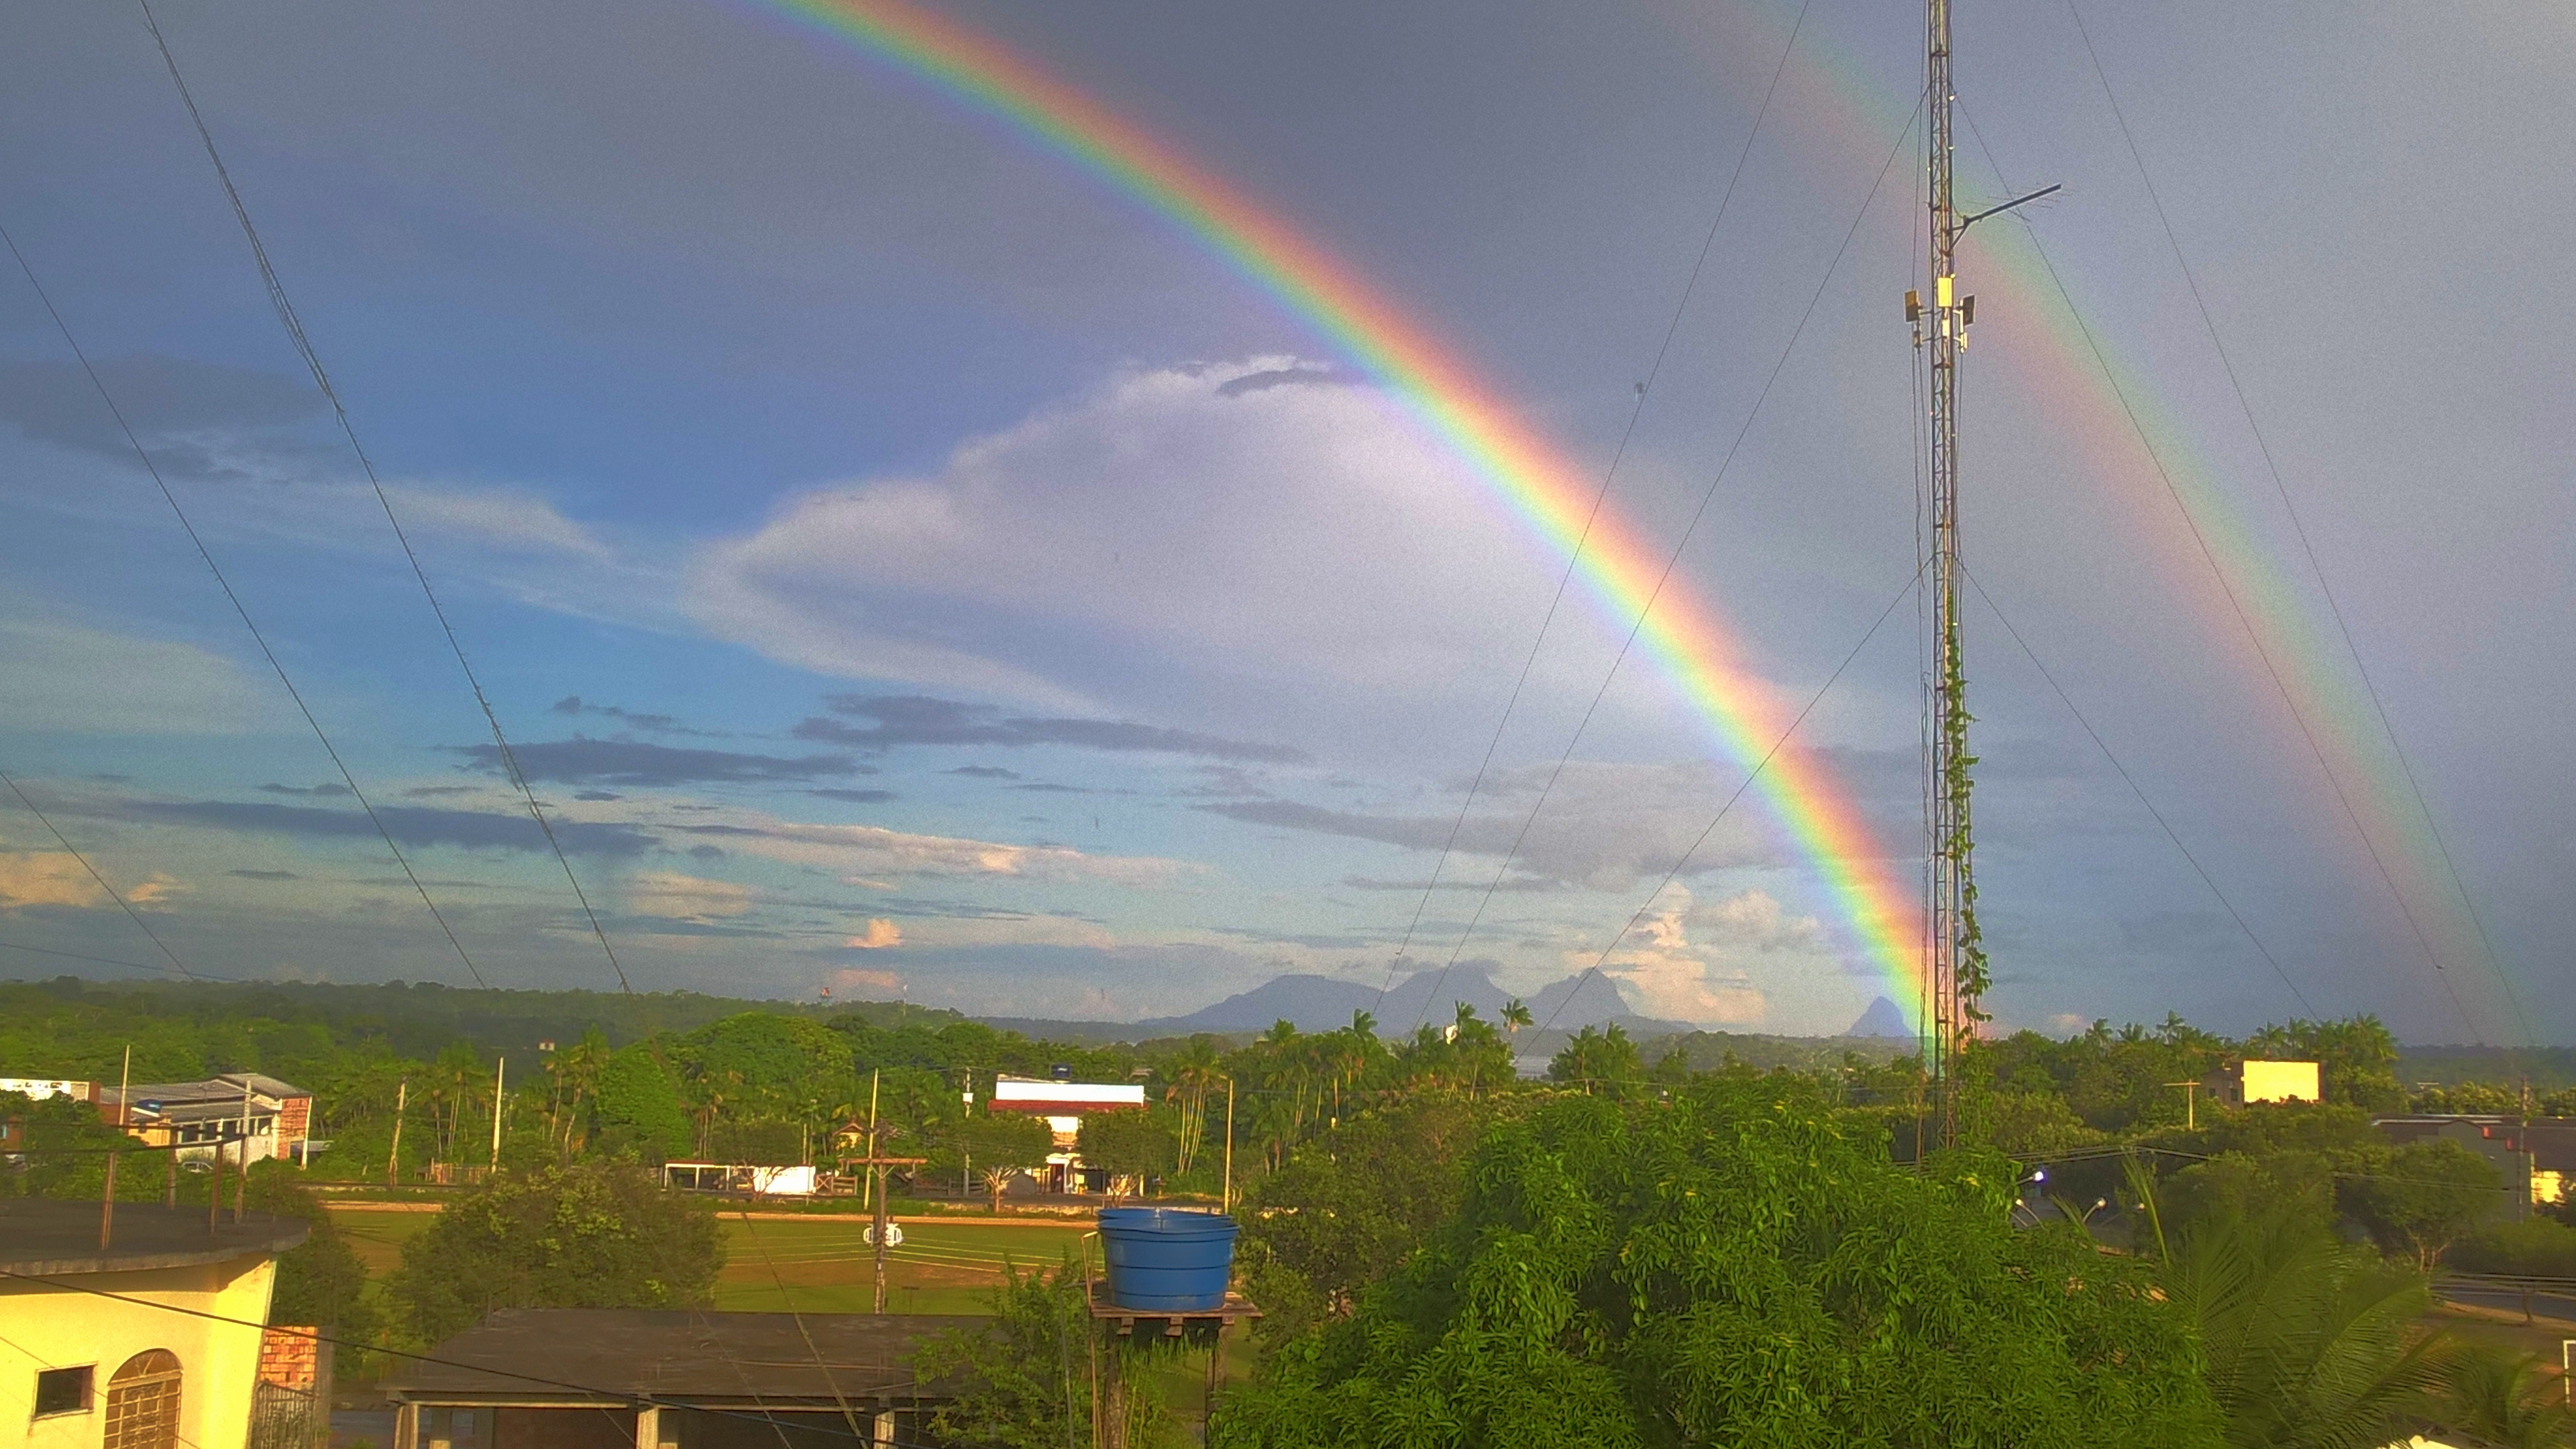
152	1342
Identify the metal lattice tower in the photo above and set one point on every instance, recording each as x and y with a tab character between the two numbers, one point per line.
1954	962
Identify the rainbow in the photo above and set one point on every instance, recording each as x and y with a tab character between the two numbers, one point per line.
1683	638
2107	406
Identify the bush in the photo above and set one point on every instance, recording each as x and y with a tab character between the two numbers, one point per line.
599	1234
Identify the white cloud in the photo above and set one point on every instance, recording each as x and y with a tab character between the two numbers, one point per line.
46	878
516	522
1307	531
1706	982
865	855
676	897
881	935
62	677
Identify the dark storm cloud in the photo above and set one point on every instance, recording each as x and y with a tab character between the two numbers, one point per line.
172	402
1412	832
912	719
408	824
581	761
575	705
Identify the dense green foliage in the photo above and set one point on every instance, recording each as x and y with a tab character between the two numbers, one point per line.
599	1234
1739	1264
1028	1378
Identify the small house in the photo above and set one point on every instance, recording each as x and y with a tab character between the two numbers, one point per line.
139	1332
1064	1104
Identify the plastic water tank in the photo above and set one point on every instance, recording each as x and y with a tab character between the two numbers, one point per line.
1167	1260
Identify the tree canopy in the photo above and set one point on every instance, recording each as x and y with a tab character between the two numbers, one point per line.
1739	1264
596	1234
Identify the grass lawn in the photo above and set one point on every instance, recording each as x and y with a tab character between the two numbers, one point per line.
816	1265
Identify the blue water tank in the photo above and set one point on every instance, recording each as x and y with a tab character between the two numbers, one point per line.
1166	1260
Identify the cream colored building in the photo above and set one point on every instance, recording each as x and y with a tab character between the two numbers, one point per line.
171	1361
2260	1081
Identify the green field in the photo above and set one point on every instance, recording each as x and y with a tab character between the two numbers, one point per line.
814	1265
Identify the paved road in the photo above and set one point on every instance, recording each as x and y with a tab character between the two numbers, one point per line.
2560	1304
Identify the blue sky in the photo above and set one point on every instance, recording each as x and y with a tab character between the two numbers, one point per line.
855	518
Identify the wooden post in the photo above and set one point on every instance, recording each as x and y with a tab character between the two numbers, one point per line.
241	1184
885	1224
393	1155
215	1186
107	1204
170	1194
648	1427
1216	1375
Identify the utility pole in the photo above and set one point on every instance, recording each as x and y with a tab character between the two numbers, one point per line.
1226	1197
500	1065
876	1184
393	1154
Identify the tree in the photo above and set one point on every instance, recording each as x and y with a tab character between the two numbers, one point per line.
2308	1340
1134	1145
1345	1214
1025	1380
1004	1143
600	1234
321	1281
1742	1265
638	1105
2428	1198
1596	1058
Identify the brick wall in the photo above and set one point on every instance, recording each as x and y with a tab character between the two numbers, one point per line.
290	1357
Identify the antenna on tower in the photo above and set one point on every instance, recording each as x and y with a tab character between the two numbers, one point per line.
1955	957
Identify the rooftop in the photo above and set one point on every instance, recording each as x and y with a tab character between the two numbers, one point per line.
618	1355
49	1237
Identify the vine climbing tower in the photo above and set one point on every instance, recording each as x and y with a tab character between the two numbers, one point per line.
1954	955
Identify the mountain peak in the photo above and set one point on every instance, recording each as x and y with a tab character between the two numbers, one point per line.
1882	1019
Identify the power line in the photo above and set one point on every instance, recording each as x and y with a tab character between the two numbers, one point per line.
113	893
1672	329
1664	578
2235	604
2134	788
286	316
239	608
1756	773
2298	526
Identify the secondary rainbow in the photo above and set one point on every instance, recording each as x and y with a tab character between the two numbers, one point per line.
2106	403
1682	636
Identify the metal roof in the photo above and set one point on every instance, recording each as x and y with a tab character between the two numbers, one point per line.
52	1238
625	1355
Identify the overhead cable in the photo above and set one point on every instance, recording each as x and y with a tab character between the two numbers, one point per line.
1664	578
1619	454
2299	527
274	663
286	316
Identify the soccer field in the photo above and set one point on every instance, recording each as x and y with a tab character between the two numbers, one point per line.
815	1265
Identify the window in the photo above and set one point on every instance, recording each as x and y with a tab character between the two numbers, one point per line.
143	1402
63	1390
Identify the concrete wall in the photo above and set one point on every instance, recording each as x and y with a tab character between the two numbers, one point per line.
65	1328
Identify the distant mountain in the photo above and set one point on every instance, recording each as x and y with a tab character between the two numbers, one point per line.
1324	1003
1882	1019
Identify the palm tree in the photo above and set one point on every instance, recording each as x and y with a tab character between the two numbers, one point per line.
1516	1014
2308	1339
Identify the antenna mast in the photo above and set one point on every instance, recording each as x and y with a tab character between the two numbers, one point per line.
1955	964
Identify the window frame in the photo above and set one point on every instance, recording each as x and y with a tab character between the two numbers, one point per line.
88	1382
